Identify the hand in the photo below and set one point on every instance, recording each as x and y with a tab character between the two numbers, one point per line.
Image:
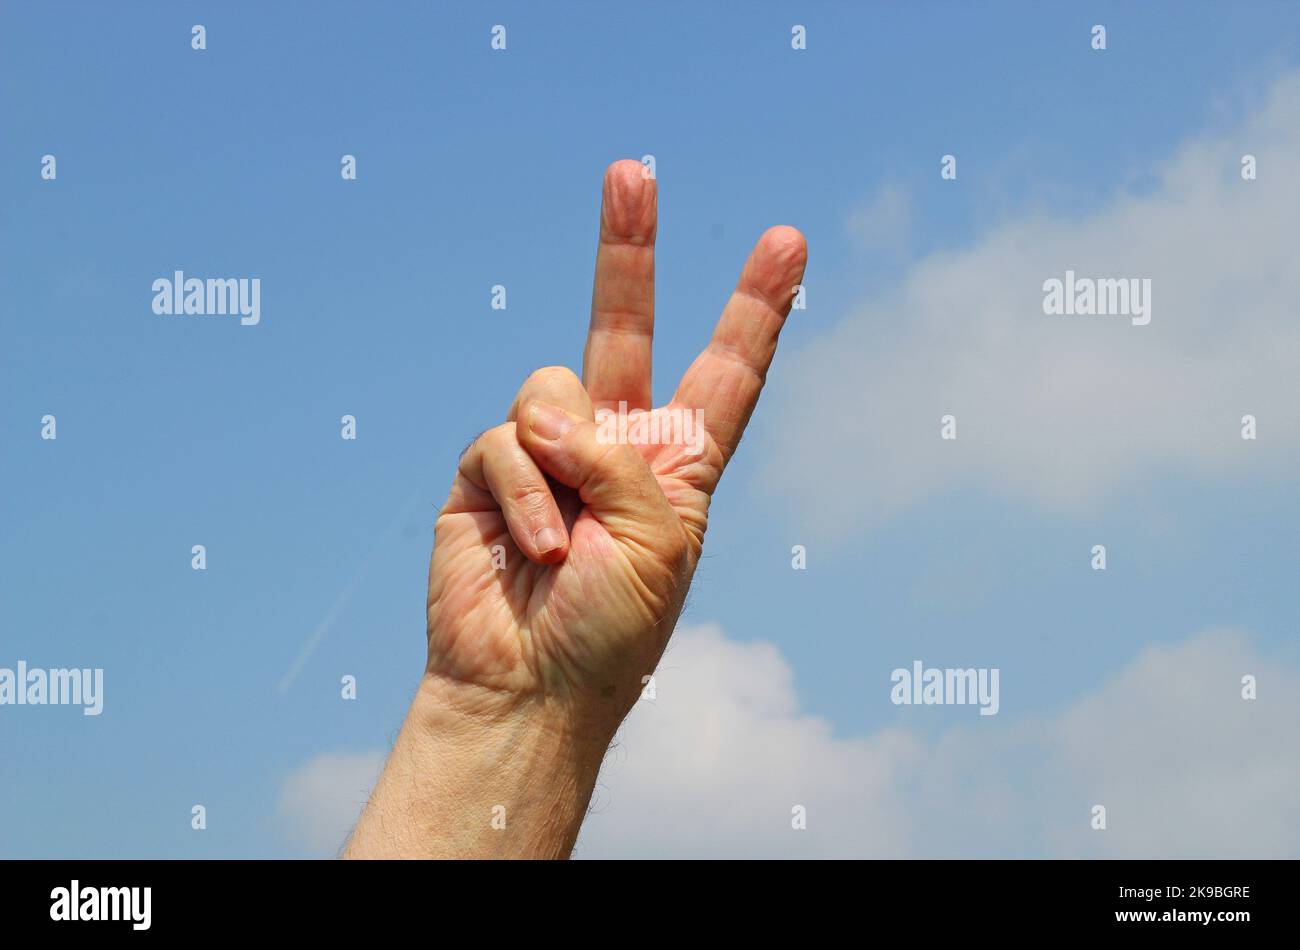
563	555
595	572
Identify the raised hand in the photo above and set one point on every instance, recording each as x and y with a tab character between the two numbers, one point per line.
566	547
595	572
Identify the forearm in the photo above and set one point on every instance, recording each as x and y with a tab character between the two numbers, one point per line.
470	779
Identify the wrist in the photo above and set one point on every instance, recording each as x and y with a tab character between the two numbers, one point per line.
529	728
483	773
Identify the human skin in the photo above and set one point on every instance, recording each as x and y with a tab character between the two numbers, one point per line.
533	666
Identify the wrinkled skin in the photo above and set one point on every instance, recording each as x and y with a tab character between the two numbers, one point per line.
599	539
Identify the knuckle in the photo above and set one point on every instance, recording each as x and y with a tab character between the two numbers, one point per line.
473	443
499	438
549	376
529	497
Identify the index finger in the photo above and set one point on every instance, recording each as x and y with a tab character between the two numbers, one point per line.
616	360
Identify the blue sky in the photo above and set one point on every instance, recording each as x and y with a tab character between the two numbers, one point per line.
478	168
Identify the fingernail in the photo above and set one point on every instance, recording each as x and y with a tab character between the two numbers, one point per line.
548	540
548	422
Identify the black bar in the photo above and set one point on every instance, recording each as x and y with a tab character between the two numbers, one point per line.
525	902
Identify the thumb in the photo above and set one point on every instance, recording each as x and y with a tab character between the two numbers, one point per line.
611	478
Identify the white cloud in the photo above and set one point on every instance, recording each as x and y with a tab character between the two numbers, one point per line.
1184	766
1062	411
712	767
321	800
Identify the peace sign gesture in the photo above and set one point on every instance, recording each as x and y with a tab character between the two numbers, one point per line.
563	555
592	564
